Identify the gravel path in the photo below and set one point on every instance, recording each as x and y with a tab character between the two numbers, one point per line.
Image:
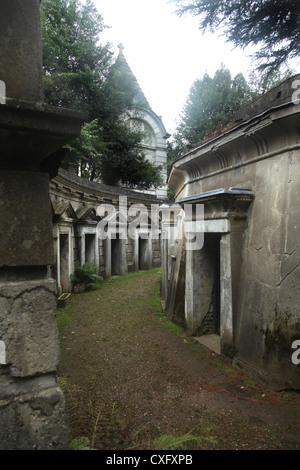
132	380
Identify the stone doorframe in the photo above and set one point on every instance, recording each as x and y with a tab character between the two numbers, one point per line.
225	212
65	258
84	257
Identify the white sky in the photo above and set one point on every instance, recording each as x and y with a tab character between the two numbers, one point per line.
166	53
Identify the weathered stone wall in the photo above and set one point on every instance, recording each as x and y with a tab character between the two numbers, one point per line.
76	202
260	154
32	404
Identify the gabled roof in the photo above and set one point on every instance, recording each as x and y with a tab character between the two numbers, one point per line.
87	214
63	210
115	217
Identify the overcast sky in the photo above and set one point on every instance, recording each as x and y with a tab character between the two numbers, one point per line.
166	53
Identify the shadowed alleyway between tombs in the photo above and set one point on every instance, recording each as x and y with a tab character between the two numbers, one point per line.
133	380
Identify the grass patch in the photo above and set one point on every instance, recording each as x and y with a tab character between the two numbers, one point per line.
96	286
81	443
168	325
63	317
186	442
156	307
132	275
200	438
155	303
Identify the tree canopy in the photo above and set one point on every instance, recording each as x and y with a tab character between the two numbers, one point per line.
75	64
273	25
211	100
80	73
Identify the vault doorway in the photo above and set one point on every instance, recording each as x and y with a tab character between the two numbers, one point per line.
116	256
143	254
90	244
210	270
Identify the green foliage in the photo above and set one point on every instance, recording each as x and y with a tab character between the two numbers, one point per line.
81	443
85	274
155	305
173	153
210	101
80	73
261	83
87	150
171	194
186	442
63	317
125	163
75	65
213	100
271	25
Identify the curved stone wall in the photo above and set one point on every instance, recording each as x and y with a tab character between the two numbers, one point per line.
91	223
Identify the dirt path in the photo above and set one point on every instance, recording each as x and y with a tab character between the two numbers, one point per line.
134	381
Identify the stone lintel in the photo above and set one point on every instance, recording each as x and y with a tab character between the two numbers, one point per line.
219	204
169	213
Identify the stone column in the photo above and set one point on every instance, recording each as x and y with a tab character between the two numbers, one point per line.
194	297
195	281
170	220
32	411
226	292
231	259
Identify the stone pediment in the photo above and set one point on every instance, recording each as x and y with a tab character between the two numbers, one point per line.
63	211
116	217
87	214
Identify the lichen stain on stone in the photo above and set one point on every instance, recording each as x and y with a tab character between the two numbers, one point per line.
27	244
281	333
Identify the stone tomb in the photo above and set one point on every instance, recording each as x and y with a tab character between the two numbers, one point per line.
210	269
253	229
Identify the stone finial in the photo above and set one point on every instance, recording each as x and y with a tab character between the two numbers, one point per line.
121	48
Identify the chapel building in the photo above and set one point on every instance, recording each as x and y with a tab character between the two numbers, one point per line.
144	119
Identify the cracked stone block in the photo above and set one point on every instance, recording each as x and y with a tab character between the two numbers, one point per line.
32	414
28	326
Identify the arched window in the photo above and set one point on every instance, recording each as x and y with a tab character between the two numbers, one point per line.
138	125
